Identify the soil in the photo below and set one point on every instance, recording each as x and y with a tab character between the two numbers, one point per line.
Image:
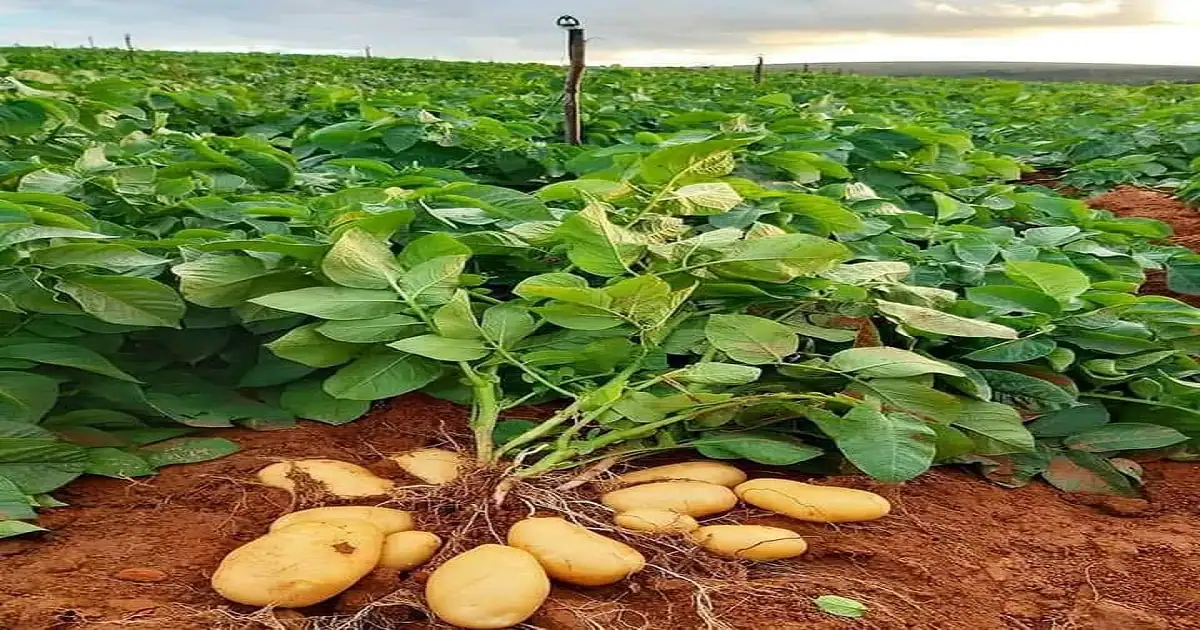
956	553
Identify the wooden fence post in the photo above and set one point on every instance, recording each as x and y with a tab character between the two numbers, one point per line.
129	45
576	50
758	71
368	51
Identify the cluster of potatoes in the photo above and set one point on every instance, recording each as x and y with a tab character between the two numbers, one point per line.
312	555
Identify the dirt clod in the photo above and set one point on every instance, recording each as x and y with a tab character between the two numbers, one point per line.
141	575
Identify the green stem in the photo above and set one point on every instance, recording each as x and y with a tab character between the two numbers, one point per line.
531	372
485	409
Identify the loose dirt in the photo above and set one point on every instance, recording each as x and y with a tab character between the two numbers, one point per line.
956	554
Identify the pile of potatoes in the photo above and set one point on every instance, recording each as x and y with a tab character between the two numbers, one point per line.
313	555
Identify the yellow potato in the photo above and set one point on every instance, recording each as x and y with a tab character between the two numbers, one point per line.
490	586
750	542
707	471
694	498
341	479
432	465
656	521
573	554
299	565
388	521
806	502
408	550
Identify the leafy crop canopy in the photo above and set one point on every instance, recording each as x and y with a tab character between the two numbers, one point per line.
840	271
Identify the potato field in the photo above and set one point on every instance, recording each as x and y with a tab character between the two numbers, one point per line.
316	342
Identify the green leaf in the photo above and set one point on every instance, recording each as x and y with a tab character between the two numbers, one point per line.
780	258
186	451
432	246
997	422
21	118
1010	299
1016	351
361	260
433	282
26	397
1080	471
125	300
104	255
579	316
705	199
1124	436
40	465
841	606
382	374
912	397
443	348
306	346
309	401
1058	281
1069	421
931	321
502	203
597	245
40	232
750	339
374	330
563	287
66	355
889	363
506	324
114	462
219	281
457	319
338	303
14	504
891	447
1027	392
760	447
1184	277
709	373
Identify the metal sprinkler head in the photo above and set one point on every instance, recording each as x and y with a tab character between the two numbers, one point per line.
569	22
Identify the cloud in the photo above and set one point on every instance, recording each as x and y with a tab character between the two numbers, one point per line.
524	29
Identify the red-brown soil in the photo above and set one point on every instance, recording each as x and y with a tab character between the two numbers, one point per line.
956	554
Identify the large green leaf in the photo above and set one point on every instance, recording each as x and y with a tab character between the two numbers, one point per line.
361	260
26	397
597	245
337	303
66	355
886	362
780	258
1123	436
125	300
750	339
891	447
443	348
382	374
307	346
105	255
38	465
933	321
374	330
309	401
219	281
1058	281
433	282
760	447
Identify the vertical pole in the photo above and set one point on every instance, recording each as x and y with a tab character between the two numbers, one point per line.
91	42
576	49
806	69
368	51
129	45
758	71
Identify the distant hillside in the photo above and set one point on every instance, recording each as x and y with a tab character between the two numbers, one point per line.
1095	73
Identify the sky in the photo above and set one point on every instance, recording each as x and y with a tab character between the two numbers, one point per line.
635	32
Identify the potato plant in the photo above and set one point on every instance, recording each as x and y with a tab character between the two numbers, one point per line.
822	277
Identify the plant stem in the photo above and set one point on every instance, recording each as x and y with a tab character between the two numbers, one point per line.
485	409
